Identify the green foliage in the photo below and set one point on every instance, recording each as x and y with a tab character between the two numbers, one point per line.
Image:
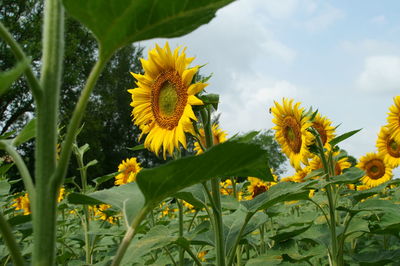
119	23
7	78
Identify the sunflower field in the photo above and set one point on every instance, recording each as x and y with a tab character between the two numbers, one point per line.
222	206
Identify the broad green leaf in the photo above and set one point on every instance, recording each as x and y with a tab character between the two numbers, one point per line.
342	137
127	198
4	187
120	22
8	77
269	259
193	195
158	237
349	176
284	191
27	133
377	258
231	158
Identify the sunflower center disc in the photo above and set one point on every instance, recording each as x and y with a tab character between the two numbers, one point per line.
393	148
168	99
258	190
292	134
321	131
375	168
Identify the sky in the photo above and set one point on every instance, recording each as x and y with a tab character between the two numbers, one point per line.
340	57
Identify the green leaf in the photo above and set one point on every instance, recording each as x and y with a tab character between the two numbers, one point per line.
378	258
284	191
27	133
120	22
4	187
349	176
8	77
127	198
231	158
342	137
4	168
100	180
285	233
158	237
211	98
193	195
137	147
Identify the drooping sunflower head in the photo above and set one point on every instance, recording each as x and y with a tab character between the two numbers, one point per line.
388	147
162	102
219	136
128	169
376	170
394	119
324	127
291	131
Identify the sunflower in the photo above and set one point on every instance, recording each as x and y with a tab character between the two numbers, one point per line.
162	102
219	136
388	147
376	171
258	186
291	131
100	213
394	119
324	127
226	187
340	164
61	194
22	203
129	168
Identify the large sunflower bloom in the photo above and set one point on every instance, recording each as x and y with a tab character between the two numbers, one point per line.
162	102
376	171
219	136
394	119
388	147
291	131
324	127
129	168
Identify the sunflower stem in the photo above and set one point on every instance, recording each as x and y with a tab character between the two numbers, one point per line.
10	242
181	250
335	258
215	190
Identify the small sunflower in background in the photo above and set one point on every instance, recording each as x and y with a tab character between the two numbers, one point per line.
388	147
129	168
340	164
162	102
258	186
219	136
324	127
291	131
226	187
22	203
101	213
376	170
394	119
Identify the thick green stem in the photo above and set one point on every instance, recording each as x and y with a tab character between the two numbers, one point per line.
215	190
20	55
45	203
10	242
239	236
181	250
130	233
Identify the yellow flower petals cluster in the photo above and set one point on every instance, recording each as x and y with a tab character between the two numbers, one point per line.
219	136
22	203
162	102
129	169
325	129
100	213
388	147
291	131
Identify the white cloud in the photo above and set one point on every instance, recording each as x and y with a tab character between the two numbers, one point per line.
246	106
369	47
323	19
379	20
381	73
